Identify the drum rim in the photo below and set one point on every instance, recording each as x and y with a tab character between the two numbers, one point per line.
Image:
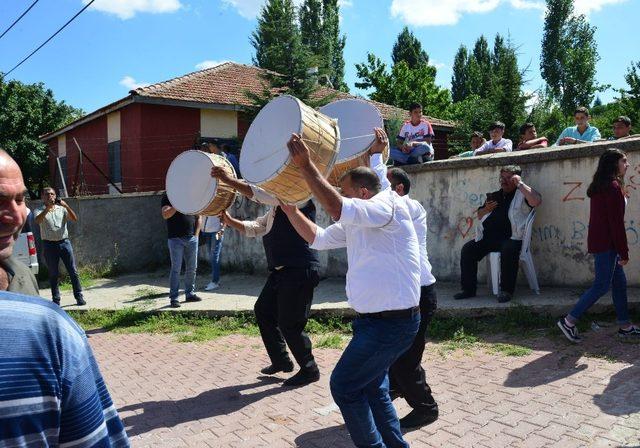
285	164
353	100
208	155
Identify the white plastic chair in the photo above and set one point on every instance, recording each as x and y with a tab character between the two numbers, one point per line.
493	261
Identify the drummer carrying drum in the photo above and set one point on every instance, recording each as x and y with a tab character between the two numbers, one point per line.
283	306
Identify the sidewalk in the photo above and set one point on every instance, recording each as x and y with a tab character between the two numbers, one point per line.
149	292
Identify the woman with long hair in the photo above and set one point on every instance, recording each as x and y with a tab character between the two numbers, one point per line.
607	240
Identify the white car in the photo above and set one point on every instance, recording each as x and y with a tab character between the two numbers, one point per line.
24	248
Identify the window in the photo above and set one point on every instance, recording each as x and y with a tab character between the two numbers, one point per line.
115	173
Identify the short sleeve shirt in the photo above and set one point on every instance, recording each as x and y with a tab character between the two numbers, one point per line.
179	225
589	135
490	146
54	225
411	133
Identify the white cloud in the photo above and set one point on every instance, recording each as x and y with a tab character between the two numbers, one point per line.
249	9
449	12
588	6
126	9
131	84
208	64
438	65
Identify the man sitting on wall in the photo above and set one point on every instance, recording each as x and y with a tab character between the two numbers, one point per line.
622	128
582	132
497	142
529	138
502	220
477	140
414	139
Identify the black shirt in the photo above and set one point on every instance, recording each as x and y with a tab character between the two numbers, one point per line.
179	225
283	246
497	226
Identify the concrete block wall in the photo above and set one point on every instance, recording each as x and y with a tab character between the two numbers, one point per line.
131	228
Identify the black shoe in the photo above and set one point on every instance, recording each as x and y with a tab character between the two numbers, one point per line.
393	394
56	301
633	332
174	304
464	295
417	419
302	378
193	298
570	332
80	301
504	297
273	369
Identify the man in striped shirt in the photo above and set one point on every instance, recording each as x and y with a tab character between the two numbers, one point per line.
51	390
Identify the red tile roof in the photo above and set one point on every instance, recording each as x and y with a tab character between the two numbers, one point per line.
225	84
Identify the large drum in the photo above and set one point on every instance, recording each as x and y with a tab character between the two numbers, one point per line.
265	159
356	120
192	190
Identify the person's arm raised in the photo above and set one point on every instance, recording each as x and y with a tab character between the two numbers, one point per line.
328	197
240	185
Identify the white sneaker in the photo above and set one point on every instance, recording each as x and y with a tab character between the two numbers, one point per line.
211	286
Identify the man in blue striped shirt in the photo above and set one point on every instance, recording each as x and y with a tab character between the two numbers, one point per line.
51	390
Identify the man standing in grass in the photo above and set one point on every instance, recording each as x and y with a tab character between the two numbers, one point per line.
52	218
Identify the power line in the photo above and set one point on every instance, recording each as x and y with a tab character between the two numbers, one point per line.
52	36
18	19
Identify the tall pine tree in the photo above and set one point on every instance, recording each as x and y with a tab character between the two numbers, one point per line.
279	48
459	82
507	95
569	56
408	48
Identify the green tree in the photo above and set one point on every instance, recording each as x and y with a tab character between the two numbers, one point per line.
403	84
26	112
279	49
320	33
507	82
569	56
630	98
459	81
480	72
408	48
473	113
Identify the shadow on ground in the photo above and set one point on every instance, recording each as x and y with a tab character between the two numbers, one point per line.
333	437
563	360
151	415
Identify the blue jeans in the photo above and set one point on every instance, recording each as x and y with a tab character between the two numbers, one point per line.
609	275
183	248
215	247
360	381
54	251
417	151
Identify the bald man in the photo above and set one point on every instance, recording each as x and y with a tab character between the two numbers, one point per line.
14	275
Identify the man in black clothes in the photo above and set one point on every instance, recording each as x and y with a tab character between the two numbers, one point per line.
283	307
182	232
503	219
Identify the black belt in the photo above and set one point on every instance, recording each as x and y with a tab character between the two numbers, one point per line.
393	314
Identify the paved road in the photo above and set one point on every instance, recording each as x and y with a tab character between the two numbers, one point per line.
211	395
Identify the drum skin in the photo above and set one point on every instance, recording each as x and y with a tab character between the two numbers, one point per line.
265	159
190	187
356	119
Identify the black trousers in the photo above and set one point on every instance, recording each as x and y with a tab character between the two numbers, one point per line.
406	375
282	311
473	252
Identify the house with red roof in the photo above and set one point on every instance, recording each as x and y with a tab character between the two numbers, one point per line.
129	144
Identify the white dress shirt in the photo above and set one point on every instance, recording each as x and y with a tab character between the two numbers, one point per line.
261	225
418	216
382	252
489	145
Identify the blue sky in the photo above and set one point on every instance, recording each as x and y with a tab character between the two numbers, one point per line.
118	44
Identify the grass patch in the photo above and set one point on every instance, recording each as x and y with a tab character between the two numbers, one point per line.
331	341
508	349
89	274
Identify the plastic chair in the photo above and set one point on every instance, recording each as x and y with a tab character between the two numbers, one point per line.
526	259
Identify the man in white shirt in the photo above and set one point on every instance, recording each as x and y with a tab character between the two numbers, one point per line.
496	143
284	304
406	375
383	285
